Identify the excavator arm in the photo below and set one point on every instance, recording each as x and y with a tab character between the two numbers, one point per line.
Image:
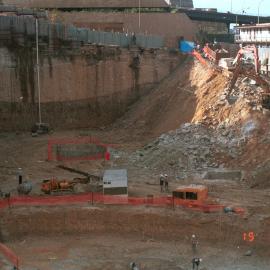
253	73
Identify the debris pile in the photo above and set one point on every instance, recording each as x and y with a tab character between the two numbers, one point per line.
220	135
247	92
191	148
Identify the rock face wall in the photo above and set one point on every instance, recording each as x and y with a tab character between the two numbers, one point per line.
86	87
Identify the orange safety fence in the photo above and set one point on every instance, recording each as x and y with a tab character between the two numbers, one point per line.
4	203
9	255
105	199
99	198
199	57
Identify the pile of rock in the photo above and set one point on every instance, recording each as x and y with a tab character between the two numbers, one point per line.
245	91
192	147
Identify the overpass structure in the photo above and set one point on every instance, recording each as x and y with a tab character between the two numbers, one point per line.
228	18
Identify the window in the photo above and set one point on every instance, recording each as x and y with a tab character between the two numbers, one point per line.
179	195
191	196
107	183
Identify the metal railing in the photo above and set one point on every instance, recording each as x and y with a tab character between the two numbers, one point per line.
25	25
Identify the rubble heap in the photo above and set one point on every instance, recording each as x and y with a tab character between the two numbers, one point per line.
192	148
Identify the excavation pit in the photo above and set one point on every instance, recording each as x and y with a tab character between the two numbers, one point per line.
110	237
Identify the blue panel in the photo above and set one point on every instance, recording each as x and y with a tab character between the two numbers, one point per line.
186	46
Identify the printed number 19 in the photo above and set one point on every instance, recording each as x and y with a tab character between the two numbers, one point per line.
250	237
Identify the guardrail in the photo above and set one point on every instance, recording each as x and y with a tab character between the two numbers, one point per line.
26	25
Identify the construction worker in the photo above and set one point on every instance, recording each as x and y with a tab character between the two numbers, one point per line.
20	176
133	266
194	243
196	263
166	182
161	182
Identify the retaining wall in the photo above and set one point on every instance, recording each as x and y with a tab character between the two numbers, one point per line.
93	85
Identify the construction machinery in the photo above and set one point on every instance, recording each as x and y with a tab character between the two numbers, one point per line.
215	52
247	63
51	186
247	67
88	178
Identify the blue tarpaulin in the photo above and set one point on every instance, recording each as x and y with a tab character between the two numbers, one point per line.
186	46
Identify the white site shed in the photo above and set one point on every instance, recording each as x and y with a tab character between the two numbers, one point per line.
115	182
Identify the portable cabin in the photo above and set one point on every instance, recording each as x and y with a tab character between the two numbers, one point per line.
115	182
191	193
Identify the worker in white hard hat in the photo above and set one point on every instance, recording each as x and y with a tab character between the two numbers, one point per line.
161	182
133	266
166	182
194	243
196	263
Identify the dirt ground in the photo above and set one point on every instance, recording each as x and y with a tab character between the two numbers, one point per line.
107	251
155	238
87	237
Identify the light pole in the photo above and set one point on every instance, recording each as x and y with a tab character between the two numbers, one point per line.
259	10
243	11
231	6
38	78
139	14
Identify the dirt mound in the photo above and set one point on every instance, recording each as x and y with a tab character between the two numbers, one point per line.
226	131
165	108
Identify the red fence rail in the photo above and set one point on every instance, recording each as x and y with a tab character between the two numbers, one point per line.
167	201
98	198
77	141
9	255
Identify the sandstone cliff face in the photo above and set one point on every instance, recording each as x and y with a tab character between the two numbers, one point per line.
93	85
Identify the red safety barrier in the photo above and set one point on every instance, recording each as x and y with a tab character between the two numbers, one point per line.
199	57
4	203
99	198
52	155
9	255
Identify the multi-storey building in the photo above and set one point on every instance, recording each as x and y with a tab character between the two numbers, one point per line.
253	34
259	35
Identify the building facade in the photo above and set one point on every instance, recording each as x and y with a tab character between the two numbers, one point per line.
259	35
253	34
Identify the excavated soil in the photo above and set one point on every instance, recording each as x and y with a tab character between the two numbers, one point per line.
97	237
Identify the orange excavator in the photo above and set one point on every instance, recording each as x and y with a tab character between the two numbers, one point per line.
54	185
250	70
